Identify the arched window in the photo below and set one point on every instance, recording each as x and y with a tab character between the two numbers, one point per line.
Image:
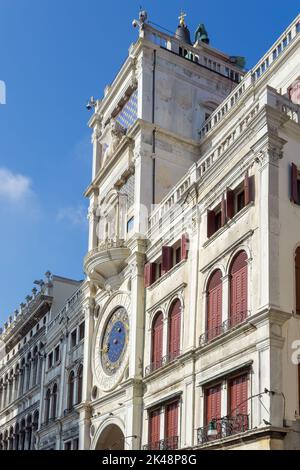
297	277
47	405
71	383
214	305
17	438
79	384
28	372
157	342
35	366
174	330
54	402
22	384
238	289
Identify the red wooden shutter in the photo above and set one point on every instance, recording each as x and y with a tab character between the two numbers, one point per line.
174	330
157	342
238	395
211	226
294	183
212	403
297	276
167	259
223	211
171	425
149	274
185	245
154	429
214	305
229	203
238	289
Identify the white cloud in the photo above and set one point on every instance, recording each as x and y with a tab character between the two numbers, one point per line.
14	187
74	215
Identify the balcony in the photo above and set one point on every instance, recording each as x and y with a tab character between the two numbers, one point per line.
161	362
107	260
169	443
232	322
221	428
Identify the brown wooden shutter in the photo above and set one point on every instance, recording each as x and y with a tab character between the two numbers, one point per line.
294	183
211	225
229	203
157	342
223	211
154	429
238	289
214	306
174	330
171	426
238	394
167	259
212	403
185	245
149	274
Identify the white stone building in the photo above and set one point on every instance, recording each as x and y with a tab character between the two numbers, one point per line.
191	301
27	412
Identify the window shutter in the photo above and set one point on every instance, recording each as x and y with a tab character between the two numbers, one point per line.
214	306
171	428
157	342
238	394
210	223
174	330
185	245
238	289
149	274
154	429
223	211
167	259
212	403
294	183
229	203
248	189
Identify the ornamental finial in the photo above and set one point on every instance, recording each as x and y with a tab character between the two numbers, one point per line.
181	18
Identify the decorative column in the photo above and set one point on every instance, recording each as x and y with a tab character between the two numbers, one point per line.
85	409
137	339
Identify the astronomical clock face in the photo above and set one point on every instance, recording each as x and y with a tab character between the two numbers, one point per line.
111	343
114	341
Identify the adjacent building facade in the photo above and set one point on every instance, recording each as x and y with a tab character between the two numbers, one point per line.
185	333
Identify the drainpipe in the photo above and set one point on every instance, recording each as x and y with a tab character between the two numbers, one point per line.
154	131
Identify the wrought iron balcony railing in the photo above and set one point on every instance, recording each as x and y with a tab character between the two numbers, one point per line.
223	427
169	443
161	362
227	325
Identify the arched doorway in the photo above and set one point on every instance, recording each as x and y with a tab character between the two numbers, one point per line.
111	438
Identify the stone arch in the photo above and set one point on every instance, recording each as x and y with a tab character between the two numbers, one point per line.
110	436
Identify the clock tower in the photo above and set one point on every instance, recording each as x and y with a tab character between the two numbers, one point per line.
145	137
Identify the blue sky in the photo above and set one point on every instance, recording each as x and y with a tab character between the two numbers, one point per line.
54	54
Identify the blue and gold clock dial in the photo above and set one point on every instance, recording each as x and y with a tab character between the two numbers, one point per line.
115	339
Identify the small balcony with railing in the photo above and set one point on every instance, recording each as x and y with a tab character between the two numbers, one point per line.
221	428
161	362
234	321
169	443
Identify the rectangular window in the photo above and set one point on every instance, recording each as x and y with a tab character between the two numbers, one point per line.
50	360
81	331
56	354
240	201
130	224
75	444
212	404
73	338
68	445
178	255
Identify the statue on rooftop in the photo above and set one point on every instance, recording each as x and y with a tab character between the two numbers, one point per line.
201	34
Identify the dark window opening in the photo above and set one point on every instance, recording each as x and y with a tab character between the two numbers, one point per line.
81	331
73	338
